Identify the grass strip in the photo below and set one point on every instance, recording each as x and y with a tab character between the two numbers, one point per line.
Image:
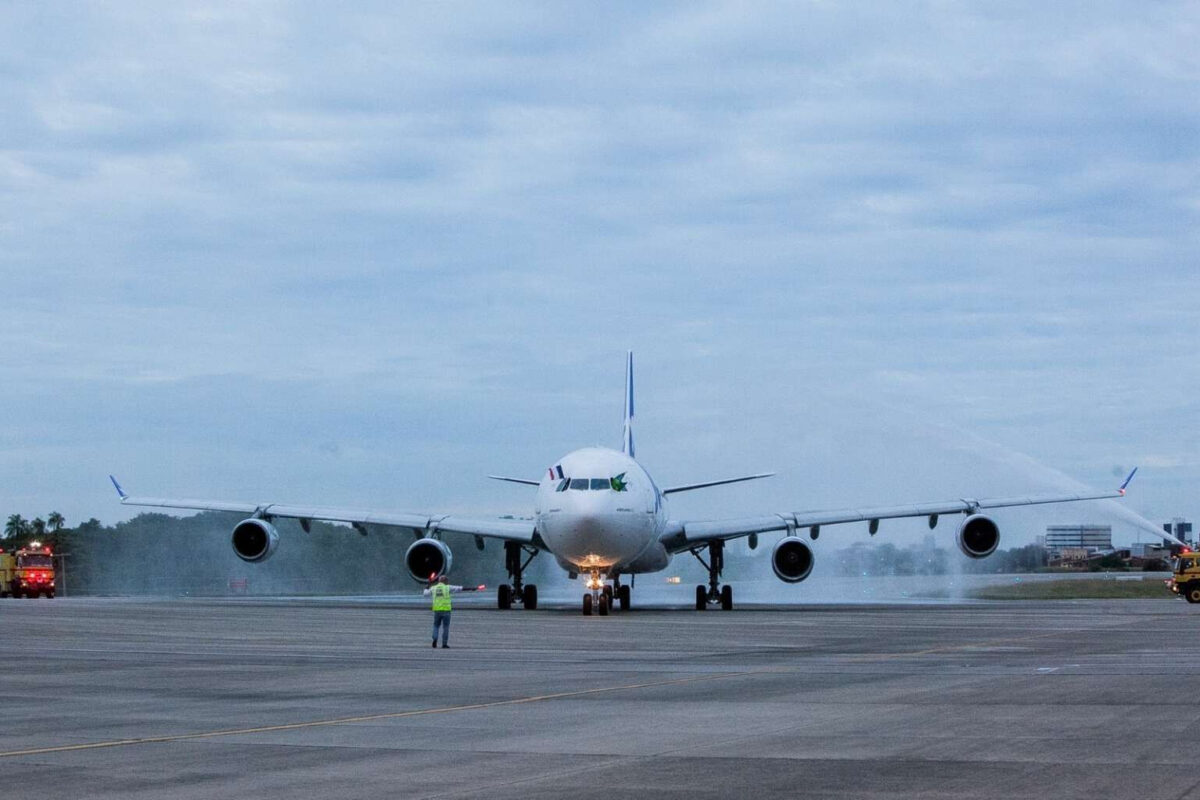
1081	589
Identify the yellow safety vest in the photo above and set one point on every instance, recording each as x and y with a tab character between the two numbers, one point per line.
441	597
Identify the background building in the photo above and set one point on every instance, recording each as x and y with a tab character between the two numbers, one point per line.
1089	537
1180	528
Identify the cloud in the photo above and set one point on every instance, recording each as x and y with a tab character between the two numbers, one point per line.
239	233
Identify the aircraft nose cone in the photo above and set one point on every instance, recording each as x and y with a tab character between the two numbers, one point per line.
595	536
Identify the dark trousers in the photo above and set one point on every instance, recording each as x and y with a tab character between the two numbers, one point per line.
441	619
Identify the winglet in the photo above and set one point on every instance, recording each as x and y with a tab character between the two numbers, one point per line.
1127	480
120	491
627	445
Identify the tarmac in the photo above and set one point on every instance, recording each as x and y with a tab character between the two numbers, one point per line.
333	698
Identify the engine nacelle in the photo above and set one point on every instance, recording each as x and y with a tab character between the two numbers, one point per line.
978	536
254	540
792	559
427	559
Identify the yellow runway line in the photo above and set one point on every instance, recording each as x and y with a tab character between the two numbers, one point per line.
868	657
291	726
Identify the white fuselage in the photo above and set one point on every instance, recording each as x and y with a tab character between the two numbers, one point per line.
611	526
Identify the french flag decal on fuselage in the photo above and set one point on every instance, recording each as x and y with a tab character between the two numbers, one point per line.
556	472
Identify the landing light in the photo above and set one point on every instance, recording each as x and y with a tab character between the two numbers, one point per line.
673	579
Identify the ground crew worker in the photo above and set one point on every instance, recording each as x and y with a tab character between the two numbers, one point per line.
441	592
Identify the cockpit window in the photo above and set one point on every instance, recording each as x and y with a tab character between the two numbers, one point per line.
617	484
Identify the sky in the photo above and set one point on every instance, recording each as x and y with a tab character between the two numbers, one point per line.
893	252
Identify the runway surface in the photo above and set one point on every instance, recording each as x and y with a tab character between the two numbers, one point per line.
332	698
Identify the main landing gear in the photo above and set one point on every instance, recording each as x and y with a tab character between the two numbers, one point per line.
601	596
713	593
515	562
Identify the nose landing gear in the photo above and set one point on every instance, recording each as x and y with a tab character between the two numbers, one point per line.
601	595
713	593
515	563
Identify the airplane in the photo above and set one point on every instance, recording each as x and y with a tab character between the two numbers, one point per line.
598	512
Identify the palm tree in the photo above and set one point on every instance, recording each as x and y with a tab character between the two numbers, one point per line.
55	521
39	526
16	526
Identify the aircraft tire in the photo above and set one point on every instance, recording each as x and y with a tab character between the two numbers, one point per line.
504	597
726	598
531	597
605	604
587	605
701	598
623	596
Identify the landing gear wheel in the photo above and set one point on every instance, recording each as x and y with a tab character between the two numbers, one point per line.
587	605
608	593
515	562
605	604
504	597
623	596
1193	593
715	563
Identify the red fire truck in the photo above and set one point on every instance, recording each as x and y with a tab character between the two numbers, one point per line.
28	572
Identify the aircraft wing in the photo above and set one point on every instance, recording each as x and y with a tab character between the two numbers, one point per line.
683	535
508	529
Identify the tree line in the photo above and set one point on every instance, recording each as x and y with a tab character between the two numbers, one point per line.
19	529
163	555
159	554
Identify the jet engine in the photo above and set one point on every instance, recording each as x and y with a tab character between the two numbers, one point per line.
792	559
427	559
978	536
254	540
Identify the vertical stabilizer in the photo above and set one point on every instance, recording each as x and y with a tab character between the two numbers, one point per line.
627	447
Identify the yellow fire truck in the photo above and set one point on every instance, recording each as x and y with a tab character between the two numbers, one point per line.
28	572
1186	580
